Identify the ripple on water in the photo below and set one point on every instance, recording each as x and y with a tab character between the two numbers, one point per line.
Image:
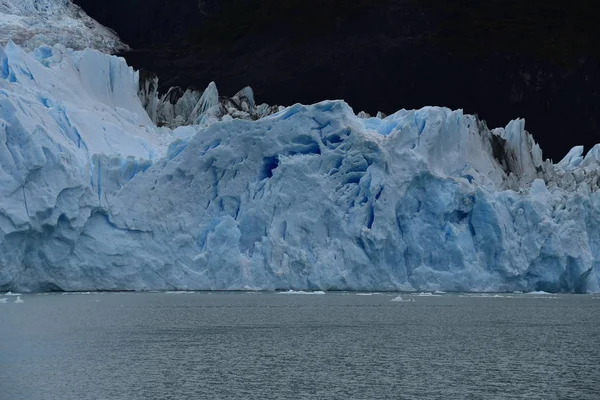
232	345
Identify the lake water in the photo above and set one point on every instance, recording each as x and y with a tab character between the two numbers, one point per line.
293	346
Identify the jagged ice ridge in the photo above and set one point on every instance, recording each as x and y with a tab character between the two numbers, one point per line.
95	196
178	108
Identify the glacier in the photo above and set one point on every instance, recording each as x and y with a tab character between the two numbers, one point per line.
33	23
105	185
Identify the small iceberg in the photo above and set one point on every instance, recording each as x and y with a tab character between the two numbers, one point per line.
3	301
75	293
19	300
179	292
428	294
541	295
301	292
400	299
13	294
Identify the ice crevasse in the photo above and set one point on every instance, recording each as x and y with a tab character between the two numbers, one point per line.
95	196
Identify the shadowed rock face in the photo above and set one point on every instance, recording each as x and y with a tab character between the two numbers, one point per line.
500	58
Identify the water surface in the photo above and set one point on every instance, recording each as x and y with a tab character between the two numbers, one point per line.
267	345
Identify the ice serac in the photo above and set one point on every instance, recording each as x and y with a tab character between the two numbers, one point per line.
178	108
95	196
32	23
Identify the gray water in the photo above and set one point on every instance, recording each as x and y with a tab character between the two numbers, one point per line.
284	346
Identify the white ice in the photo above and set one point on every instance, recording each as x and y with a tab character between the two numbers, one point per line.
76	293
179	292
94	196
302	292
539	292
33	23
401	300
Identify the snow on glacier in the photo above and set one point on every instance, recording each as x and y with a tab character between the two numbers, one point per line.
33	23
96	197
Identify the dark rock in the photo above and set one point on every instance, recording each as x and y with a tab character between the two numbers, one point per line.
503	59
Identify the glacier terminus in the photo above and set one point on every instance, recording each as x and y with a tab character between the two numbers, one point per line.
106	185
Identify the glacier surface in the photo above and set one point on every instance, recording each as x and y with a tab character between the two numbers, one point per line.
231	195
32	23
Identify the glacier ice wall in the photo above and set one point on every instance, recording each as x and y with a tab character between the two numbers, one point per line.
32	23
95	196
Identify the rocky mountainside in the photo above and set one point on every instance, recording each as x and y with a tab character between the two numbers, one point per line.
500	58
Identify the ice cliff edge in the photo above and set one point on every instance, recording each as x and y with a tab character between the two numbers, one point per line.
95	196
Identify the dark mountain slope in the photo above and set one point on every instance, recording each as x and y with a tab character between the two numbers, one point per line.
537	59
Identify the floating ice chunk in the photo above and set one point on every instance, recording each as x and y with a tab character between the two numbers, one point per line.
13	294
400	299
3	300
540	293
19	300
180	292
75	293
301	292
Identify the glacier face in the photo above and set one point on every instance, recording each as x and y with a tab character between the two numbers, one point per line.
32	23
96	197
